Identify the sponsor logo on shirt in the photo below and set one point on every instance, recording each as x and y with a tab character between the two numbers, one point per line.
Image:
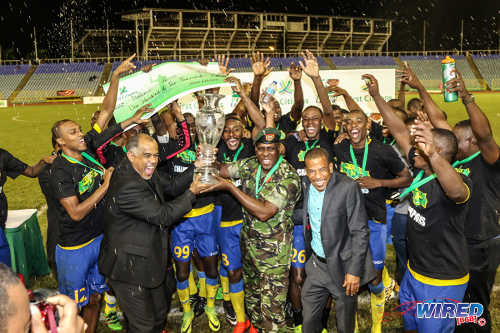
465	172
87	181
301	172
419	198
187	156
415	216
352	171
179	168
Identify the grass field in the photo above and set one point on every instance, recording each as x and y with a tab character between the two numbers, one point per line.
25	132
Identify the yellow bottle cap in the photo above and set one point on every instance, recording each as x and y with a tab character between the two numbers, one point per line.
448	60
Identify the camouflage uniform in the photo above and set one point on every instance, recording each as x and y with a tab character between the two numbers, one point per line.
267	246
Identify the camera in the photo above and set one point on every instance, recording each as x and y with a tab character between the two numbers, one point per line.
50	317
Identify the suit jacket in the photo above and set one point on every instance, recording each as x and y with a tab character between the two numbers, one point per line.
344	229
135	244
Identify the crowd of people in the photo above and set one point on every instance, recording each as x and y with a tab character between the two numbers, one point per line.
298	219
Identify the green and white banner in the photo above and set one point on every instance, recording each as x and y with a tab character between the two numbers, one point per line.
162	85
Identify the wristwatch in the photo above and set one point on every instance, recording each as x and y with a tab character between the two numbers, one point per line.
468	100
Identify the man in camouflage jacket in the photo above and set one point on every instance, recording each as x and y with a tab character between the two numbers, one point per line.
270	187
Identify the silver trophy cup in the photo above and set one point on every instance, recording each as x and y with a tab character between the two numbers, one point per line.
210	122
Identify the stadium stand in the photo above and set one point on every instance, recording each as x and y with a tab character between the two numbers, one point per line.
489	66
428	69
81	77
10	77
363	62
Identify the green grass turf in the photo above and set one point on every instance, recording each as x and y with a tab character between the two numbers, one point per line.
25	132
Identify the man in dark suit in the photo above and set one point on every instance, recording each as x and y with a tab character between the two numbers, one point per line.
134	251
336	235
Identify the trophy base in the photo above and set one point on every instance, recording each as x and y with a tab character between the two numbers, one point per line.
206	175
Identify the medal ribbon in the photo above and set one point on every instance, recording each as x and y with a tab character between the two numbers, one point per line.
268	176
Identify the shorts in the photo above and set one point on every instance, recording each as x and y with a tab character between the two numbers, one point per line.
299	248
195	232
228	237
413	290
4	249
77	272
378	238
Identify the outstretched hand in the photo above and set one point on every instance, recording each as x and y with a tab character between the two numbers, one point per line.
260	64
310	64
125	66
237	87
295	72
372	84
408	76
223	63
137	117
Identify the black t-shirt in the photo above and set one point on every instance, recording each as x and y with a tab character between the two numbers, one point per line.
12	167
179	163
436	241
285	124
482	219
231	208
376	131
114	154
382	163
72	179
44	177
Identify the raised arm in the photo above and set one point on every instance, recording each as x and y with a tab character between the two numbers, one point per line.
450	180
298	95
435	114
109	102
396	126
311	68
252	110
260	68
479	122
349	101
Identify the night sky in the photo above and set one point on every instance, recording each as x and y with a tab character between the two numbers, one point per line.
52	17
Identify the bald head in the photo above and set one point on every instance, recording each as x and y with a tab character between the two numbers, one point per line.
14	302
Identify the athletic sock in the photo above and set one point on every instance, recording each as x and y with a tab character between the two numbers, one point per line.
211	291
386	279
203	285
193	290
224	281
377	302
110	303
183	292
237	296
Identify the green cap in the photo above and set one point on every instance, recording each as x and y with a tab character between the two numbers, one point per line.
267	135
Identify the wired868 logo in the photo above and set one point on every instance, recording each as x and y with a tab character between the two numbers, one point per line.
445	308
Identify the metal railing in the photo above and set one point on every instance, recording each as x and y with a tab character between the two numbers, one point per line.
346	53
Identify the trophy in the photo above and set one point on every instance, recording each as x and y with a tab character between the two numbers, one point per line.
210	122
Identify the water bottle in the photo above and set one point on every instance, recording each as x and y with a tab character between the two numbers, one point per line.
269	92
447	65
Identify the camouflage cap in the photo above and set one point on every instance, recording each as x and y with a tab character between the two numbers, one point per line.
267	135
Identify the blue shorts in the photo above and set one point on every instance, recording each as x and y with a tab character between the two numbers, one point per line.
377	243
4	249
195	232
77	272
389	215
413	290
299	247
228	237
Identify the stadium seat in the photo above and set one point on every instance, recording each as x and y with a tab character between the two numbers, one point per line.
489	66
83	78
10	77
